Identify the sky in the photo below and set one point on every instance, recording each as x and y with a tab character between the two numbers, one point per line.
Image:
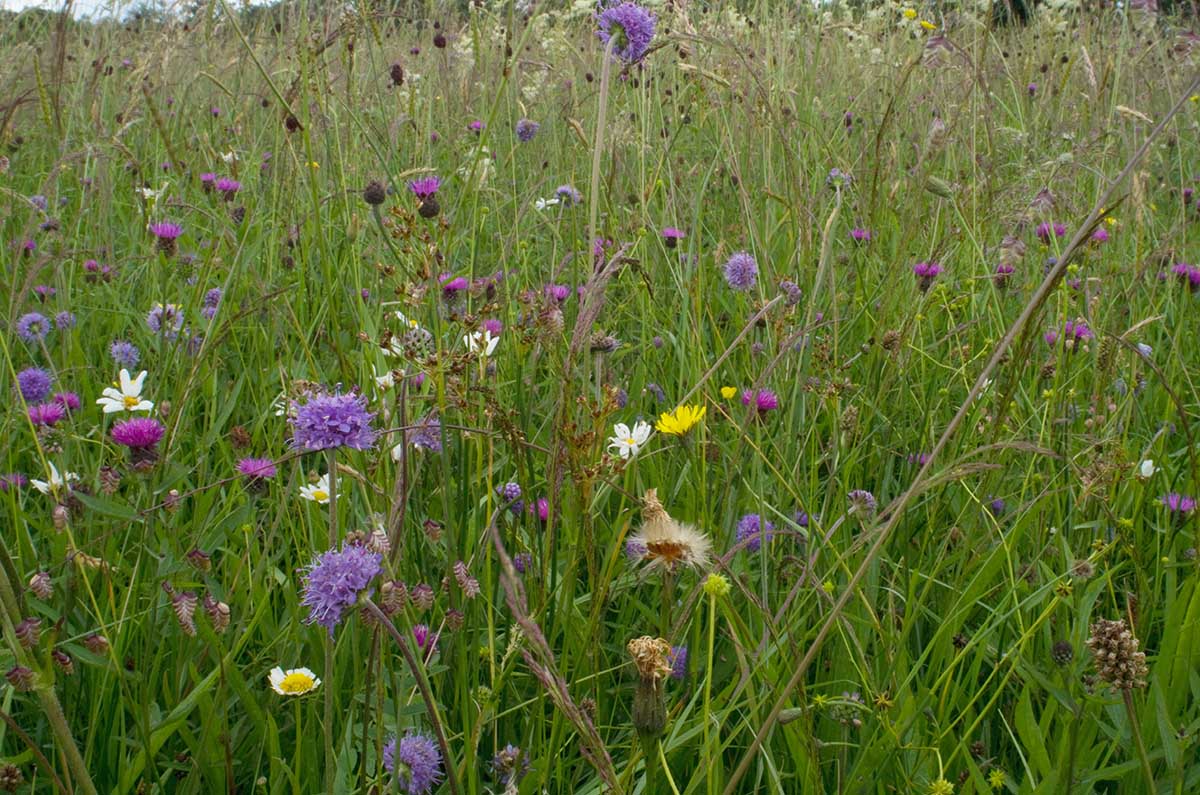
82	7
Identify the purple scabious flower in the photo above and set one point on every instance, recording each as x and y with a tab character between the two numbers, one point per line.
527	129
425	188
415	761
13	481
510	766
997	506
671	236
328	421
568	195
800	518
926	272
167	319
635	550
256	468
124	353
39	202
139	432
763	400
34	384
48	414
509	492
741	271
792	294
751	526
64	320
33	327
427	434
629	28
334	580
678	660
859	235
1178	504
522	562
212	301
862	502
68	400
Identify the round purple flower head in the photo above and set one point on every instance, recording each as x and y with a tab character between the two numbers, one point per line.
427	434
1179	504
1046	231
334	580
64	320
48	414
167	319
124	353
166	233
568	195
859	235
34	384
425	188
763	400
139	432
212	301
256	468
629	28
33	327
741	271
862	502
415	761
13	480
325	422
678	659
926	272
68	400
751	526
526	130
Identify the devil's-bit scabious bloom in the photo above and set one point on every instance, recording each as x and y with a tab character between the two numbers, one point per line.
293	682
1179	504
626	441
527	129
926	272
212	302
165	234
568	195
681	420
34	384
333	582
327	421
752	527
671	236
678	659
763	400
862	502
33	327
415	761
510	766
126	395
667	543
741	271
124	353
165	318
629	28
424	435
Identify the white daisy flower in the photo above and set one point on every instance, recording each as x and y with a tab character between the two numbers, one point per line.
317	492
481	342
542	204
56	482
293	682
626	441
125	395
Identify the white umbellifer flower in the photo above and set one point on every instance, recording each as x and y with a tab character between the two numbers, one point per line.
317	492
56	481
481	342
1146	469
626	441
293	682
126	395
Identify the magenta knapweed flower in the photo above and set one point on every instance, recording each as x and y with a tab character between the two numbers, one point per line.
1178	503
476	126
1002	273
926	272
256	468
1100	235
208	180
415	761
672	236
860	235
630	29
139	432
763	400
48	414
425	188
741	271
68	400
557	292
1046	231
228	187
1074	332
333	582
166	230
327	421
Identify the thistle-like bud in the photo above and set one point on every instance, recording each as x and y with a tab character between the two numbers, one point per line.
218	613
41	585
1115	651
375	193
651	657
110	480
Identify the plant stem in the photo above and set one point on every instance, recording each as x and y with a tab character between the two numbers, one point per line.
1137	737
650	750
598	146
330	757
707	714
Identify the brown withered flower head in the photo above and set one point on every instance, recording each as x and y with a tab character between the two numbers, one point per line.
665	543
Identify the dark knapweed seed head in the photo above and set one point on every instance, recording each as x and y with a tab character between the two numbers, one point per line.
396	73
375	193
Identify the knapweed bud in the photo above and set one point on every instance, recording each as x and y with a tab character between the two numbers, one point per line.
41	585
650	656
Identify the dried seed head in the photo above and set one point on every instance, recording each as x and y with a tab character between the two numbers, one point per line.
1062	652
1115	652
11	778
110	480
651	656
375	193
891	341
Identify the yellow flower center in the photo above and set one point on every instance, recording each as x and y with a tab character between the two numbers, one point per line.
320	496
631	441
296	682
130	401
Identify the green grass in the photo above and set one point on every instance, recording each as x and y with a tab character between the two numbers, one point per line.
919	639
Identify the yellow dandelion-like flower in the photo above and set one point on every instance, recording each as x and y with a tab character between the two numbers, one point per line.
664	542
313	164
293	682
728	392
910	13
996	778
681	420
928	25
716	585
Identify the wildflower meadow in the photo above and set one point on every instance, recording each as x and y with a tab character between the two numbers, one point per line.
526	397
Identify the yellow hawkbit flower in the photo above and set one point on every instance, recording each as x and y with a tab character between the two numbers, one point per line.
910	13
313	164
681	420
664	542
728	392
716	585
928	25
